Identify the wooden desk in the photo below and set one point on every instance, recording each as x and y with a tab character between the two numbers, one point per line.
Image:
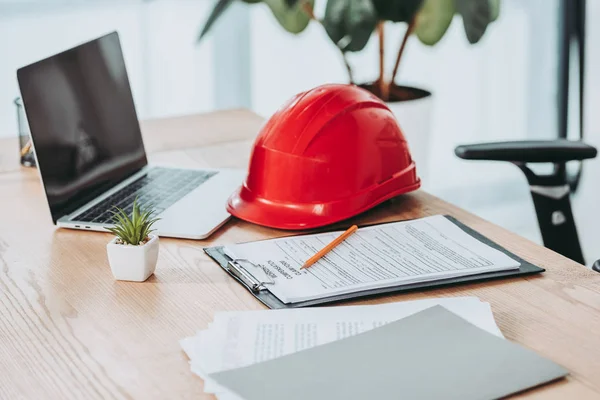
68	330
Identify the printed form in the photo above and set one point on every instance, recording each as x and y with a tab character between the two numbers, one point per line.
241	338
406	252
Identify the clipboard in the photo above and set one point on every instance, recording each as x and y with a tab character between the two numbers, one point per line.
242	271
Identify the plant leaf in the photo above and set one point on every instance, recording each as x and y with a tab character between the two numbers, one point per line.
494	9
133	229
476	15
433	19
333	21
135	212
350	23
397	10
290	15
216	12
121	217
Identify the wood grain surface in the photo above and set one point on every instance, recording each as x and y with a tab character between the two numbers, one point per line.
68	330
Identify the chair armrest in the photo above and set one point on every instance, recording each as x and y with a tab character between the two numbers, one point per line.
528	151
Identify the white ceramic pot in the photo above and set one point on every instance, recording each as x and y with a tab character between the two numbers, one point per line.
414	118
133	263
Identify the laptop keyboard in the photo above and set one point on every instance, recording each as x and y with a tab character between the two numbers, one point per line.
159	188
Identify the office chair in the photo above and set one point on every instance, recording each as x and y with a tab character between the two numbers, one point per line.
550	193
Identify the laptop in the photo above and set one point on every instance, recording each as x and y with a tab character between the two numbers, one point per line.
88	145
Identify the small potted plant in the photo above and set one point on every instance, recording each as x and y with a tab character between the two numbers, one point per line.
133	253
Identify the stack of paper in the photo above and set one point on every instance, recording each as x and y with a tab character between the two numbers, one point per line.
239	339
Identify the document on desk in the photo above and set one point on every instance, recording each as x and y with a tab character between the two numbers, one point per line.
432	354
242	338
386	255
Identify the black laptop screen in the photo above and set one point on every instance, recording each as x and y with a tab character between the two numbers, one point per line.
83	122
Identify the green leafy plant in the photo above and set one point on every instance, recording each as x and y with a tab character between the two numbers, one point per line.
349	24
134	229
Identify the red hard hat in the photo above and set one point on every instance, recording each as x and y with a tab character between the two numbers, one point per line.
328	154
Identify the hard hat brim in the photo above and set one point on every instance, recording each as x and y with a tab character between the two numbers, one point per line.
246	206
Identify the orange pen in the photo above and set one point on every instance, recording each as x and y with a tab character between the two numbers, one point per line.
329	247
26	148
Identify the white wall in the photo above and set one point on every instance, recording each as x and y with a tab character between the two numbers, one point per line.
179	74
169	74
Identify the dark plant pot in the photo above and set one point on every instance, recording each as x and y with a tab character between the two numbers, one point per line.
412	108
398	93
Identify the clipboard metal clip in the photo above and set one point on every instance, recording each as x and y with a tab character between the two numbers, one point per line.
237	269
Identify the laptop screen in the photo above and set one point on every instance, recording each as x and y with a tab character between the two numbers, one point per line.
83	122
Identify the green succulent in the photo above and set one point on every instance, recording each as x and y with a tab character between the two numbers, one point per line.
133	229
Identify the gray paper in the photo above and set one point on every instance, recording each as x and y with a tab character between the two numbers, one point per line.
433	354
